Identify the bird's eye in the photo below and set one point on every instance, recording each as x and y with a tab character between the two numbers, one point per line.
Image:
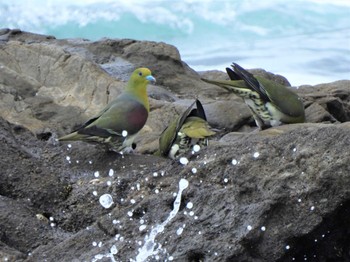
140	73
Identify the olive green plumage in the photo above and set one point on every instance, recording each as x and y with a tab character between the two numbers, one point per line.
186	130
271	103
120	121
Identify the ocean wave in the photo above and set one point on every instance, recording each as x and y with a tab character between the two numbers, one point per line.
260	18
281	36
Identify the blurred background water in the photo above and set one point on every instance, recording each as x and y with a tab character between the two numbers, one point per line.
307	41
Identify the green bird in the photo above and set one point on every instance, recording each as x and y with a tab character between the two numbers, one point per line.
119	122
272	104
187	130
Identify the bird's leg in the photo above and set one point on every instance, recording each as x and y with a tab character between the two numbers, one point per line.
258	121
129	150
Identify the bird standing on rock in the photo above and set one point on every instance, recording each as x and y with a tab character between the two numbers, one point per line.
189	129
119	122
271	103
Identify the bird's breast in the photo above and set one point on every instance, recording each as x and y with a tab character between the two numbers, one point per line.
137	119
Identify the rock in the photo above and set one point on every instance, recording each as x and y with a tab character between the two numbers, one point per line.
316	113
220	75
333	97
273	77
280	194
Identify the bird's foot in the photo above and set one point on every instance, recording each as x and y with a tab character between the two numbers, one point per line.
128	150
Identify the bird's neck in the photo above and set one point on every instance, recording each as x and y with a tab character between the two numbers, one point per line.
141	95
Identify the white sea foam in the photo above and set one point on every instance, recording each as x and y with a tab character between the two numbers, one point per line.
298	39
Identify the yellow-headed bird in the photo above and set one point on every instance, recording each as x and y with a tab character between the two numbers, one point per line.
272	104
187	130
120	121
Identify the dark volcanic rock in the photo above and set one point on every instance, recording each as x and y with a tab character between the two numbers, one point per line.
281	194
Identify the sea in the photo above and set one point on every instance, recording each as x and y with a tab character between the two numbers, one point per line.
307	41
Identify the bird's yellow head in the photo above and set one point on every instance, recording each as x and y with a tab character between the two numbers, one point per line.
141	77
137	84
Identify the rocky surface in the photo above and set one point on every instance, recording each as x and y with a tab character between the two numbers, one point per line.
281	194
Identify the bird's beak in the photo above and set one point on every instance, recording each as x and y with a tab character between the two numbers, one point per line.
151	79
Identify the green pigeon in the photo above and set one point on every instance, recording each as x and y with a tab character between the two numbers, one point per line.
271	103
119	122
186	131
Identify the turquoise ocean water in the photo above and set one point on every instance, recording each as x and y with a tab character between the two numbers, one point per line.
308	41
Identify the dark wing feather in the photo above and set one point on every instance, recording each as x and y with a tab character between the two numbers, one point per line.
169	134
251	81
198	111
94	131
232	75
91	120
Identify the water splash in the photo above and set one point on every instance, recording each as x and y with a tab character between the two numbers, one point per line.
149	244
106	200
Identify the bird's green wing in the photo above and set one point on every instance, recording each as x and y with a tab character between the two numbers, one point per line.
283	98
196	127
229	85
123	114
169	134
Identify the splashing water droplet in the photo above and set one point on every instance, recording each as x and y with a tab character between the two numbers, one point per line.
234	162
142	227
189	205
256	155
106	200
114	250
111	172
125	133
179	231
184	161
196	148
